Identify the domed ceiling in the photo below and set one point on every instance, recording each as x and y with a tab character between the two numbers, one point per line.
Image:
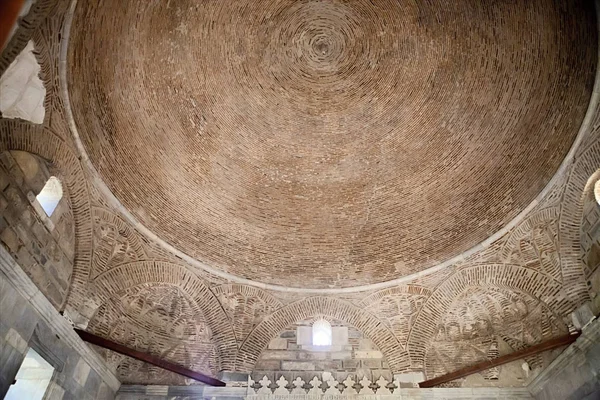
328	143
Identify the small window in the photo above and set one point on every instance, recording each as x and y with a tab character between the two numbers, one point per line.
50	195
597	191
321	333
32	379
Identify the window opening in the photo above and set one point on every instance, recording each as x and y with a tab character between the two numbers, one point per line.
321	333
50	195
32	379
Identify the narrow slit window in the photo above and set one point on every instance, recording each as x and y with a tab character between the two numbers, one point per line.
321	333
50	195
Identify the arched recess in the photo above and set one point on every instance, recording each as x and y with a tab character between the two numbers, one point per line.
485	322
39	140
539	286
370	326
246	306
162	320
114	242
570	220
397	307
126	276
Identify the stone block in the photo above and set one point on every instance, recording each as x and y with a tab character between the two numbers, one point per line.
371	363
410	377
365	344
10	361
81	373
278	344
304	335
3	180
278	355
287	334
14	339
104	392
10	240
54	391
304	355
267	365
297	366
341	355
350	364
366	354
3	202
26	322
328	365
92	384
339	335
16	175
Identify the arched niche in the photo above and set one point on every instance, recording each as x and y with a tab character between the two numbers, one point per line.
322	307
484	322
159	319
293	353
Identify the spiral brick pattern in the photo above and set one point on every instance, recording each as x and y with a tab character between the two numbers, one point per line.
328	143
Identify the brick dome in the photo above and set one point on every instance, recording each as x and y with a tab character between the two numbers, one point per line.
328	143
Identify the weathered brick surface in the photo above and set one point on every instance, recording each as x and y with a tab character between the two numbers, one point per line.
329	153
319	211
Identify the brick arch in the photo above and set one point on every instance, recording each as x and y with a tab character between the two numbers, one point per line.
105	216
369	325
43	142
516	278
570	220
126	276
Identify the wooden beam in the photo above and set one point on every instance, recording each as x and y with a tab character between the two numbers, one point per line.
517	355
138	355
9	12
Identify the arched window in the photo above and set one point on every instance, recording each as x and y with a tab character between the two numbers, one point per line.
597	191
321	333
50	195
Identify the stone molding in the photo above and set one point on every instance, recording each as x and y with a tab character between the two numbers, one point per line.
26	288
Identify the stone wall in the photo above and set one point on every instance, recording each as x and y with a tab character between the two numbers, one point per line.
590	241
42	245
21	327
292	355
575	374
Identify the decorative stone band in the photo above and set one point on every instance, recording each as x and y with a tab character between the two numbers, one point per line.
26	288
317	387
135	392
410	393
